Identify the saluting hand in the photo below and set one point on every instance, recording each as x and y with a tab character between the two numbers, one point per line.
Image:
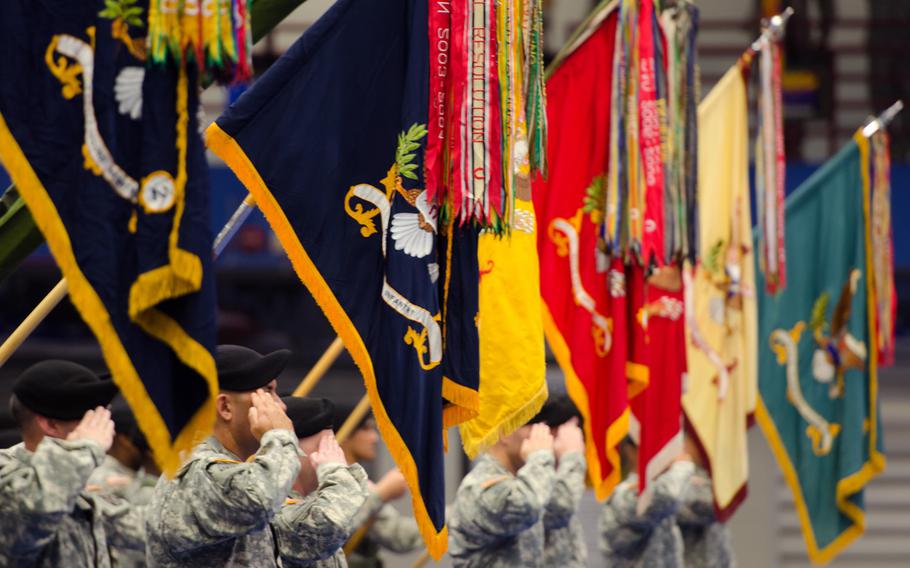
569	438
328	452
97	426
266	414
539	439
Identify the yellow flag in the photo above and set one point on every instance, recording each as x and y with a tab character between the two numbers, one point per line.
510	324
722	321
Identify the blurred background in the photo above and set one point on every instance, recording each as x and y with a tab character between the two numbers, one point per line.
845	60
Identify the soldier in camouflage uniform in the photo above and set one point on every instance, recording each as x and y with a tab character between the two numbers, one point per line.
651	538
47	519
128	470
564	541
124	474
317	518
217	509
496	520
706	540
378	525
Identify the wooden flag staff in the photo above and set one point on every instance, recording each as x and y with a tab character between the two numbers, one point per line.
320	368
353	420
28	325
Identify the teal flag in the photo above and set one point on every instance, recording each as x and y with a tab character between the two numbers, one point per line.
817	355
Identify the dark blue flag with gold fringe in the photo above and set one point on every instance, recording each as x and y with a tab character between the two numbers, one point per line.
104	148
330	142
459	289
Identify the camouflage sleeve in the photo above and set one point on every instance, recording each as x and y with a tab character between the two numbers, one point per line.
144	489
370	508
316	527
124	524
220	499
35	496
623	528
697	506
97	481
669	488
620	534
505	506
393	531
568	489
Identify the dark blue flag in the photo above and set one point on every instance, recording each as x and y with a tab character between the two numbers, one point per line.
106	153
459	289
330	142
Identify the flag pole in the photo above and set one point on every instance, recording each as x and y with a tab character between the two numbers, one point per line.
233	225
353	420
883	119
421	560
320	368
56	295
32	321
773	30
358	536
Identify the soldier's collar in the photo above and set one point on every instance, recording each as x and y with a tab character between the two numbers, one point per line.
218	447
20	453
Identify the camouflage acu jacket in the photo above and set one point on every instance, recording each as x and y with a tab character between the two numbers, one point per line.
705	540
388	529
113	479
630	539
46	517
311	530
217	509
564	540
497	518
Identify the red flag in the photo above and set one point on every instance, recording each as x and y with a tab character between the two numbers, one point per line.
659	358
584	295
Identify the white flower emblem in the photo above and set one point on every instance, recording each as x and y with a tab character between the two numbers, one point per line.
128	91
414	233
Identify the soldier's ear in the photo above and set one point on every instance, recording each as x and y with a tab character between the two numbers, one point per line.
224	407
55	428
45	425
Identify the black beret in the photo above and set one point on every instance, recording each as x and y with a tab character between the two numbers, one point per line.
62	390
342	411
556	411
309	415
125	423
240	369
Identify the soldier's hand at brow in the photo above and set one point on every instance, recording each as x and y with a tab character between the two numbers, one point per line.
97	426
266	414
539	439
569	438
328	452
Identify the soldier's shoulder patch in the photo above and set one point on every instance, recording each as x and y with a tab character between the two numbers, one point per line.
493	481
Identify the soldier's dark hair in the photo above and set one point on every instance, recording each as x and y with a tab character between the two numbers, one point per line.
21	414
